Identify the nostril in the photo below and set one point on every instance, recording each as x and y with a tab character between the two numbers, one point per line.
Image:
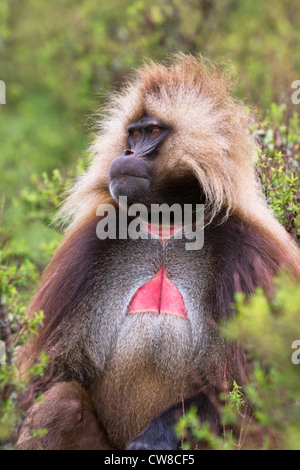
127	152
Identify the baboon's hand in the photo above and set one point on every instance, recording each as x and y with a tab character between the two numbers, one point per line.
62	419
158	435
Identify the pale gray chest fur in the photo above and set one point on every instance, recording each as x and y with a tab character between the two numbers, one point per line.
147	362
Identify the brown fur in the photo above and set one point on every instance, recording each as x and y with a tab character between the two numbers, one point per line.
65	410
244	248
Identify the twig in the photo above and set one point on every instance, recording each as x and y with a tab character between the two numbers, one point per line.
183	414
225	398
5	332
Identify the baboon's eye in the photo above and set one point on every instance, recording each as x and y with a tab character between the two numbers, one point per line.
136	135
155	131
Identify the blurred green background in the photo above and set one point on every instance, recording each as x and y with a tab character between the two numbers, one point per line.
59	58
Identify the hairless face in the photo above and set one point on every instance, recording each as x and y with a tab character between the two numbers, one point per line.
136	172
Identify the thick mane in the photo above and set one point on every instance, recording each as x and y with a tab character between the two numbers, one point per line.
113	369
210	136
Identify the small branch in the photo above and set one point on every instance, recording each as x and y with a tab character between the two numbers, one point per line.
5	332
183	414
225	398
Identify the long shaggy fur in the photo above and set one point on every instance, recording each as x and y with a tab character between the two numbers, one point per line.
88	284
210	136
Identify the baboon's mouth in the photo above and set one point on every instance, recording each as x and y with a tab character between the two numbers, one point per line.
127	175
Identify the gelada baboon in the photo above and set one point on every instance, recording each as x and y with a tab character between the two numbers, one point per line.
131	325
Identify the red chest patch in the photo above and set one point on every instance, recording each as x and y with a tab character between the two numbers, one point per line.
158	296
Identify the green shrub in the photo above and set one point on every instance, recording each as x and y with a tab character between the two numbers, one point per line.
265	414
278	165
